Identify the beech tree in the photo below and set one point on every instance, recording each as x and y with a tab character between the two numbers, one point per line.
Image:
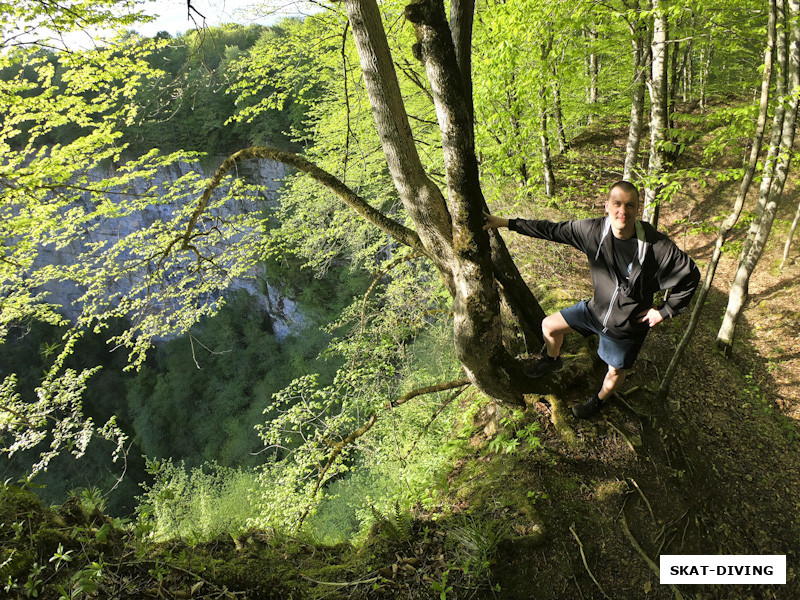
475	266
776	165
45	89
727	225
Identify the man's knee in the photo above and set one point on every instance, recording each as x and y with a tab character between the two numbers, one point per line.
555	324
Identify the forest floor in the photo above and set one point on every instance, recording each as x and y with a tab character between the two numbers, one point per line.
581	510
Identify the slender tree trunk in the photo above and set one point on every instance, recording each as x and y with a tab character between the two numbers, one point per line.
727	225
547	163
686	66
739	289
768	171
563	144
706	55
657	86
593	71
672	86
637	102
515	154
789	237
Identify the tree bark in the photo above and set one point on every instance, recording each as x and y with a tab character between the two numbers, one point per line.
593	71
787	246
727	225
672	85
637	101
563	144
768	171
707	54
657	85
516	295
544	138
739	289
462	16
477	326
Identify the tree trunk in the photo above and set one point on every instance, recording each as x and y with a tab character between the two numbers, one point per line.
547	163
672	86
789	237
462	16
637	102
739	289
516	155
707	54
476	304
727	225
563	144
768	171
658	117
421	197
686	66
593	71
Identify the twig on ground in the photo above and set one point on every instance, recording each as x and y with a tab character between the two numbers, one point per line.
340	583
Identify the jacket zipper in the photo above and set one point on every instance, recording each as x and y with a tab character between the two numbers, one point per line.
611	305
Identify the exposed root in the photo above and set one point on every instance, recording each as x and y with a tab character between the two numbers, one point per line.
585	564
560	420
653	566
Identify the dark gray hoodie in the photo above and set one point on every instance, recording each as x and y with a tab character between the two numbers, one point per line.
658	265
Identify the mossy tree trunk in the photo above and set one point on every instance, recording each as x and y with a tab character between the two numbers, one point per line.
475	265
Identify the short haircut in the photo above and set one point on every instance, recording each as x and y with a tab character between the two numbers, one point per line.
627	187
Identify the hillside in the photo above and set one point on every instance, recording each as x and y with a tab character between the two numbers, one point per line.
541	506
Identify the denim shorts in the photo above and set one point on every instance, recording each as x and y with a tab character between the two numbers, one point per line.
619	353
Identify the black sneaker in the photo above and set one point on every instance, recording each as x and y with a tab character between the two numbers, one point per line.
543	366
588	408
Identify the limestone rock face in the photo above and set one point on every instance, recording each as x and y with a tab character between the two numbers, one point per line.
265	175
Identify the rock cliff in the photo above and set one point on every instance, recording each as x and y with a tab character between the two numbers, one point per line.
265	175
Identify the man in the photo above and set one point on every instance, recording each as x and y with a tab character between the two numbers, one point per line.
629	262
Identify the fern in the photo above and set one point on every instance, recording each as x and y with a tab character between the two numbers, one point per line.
397	526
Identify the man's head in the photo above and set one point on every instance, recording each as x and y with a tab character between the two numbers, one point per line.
622	207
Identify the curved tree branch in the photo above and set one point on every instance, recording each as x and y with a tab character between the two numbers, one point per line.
389	226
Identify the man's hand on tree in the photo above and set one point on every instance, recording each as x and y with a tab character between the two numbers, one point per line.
652	317
492	222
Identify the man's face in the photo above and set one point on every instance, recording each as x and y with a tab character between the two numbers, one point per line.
622	208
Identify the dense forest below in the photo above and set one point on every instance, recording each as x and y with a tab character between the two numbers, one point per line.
167	443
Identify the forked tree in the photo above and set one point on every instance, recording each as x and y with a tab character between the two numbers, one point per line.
487	290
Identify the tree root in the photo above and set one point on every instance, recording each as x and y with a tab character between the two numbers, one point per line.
653	566
585	564
560	421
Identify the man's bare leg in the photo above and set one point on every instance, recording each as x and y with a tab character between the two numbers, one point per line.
613	380
554	328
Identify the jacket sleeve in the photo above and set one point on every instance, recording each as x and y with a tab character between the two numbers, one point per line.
574	233
678	272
